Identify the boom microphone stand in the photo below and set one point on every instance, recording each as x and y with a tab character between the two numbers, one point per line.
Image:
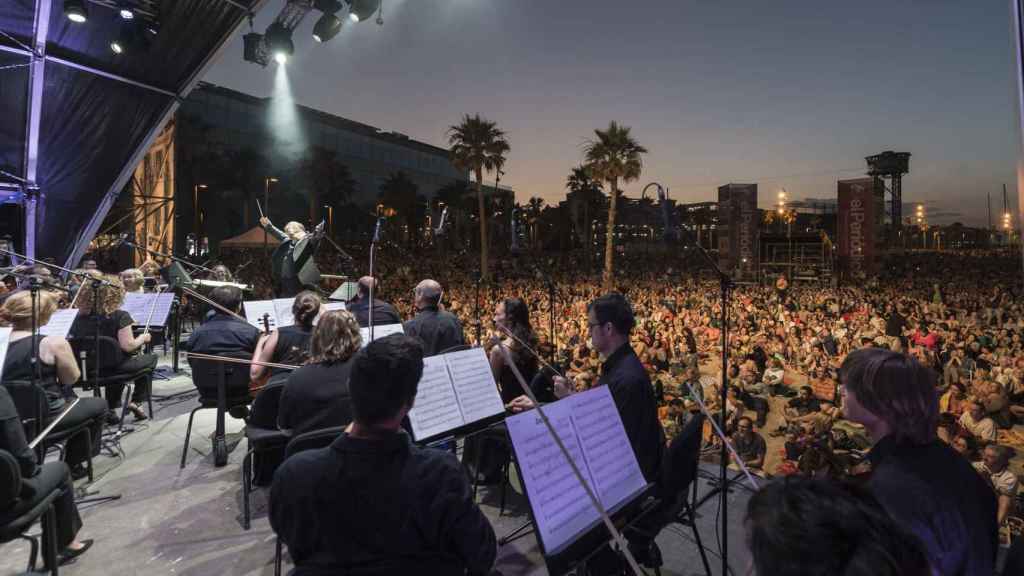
725	287
373	253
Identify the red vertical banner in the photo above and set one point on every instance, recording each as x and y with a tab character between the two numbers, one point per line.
857	228
738	238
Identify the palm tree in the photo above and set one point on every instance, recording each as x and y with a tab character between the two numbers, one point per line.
399	193
478	145
328	180
534	206
612	156
587	194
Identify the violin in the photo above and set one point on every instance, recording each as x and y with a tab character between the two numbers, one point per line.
256	384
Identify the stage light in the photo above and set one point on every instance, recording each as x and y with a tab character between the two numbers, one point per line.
279	42
127	14
326	27
359	10
75	11
116	46
125	39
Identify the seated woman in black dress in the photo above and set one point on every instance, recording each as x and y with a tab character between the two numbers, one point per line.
287	345
41	479
116	324
316	395
56	371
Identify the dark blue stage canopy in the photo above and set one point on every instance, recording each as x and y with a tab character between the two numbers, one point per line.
75	117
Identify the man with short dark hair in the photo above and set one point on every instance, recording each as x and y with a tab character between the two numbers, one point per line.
223	333
383	313
924	485
372	502
436	329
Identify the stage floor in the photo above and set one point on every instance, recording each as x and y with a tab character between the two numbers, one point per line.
188	522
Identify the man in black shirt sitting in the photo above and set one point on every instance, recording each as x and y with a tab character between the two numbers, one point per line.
436	329
223	333
383	313
372	502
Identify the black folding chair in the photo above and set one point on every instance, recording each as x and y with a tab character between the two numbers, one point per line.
222	386
307	441
677	477
18	513
33	409
264	439
99	360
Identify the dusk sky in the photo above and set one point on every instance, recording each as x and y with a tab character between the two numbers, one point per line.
789	94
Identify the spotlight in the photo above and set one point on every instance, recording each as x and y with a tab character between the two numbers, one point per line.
326	27
127	37
127	14
359	10
75	11
279	42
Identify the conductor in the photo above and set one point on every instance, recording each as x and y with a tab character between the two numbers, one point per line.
293	263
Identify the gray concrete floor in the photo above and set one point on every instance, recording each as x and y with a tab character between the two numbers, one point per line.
188	522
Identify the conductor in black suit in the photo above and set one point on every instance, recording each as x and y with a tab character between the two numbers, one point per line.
294	265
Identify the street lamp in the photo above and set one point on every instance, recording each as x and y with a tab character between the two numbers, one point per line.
195	208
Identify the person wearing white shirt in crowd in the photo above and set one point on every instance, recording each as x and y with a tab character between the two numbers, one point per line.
994	468
977	423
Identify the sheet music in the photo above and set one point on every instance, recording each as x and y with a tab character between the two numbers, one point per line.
60	323
328	307
380	331
590	427
436	409
561	508
609	454
5	340
283	311
139	306
255	309
474	384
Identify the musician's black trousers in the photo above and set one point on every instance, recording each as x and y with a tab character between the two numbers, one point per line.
143	384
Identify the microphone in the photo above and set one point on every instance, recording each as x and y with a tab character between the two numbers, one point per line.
666	217
376	230
440	222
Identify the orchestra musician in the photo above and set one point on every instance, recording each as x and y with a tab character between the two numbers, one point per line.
133	280
438	330
373	502
56	371
383	313
103	317
288	344
610	320
293	262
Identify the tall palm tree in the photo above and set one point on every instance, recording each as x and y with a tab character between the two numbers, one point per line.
399	193
590	198
478	145
611	156
534	207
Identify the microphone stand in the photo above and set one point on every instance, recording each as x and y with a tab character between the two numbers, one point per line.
168	256
476	306
725	287
373	280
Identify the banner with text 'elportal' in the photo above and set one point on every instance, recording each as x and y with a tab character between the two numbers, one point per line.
857	227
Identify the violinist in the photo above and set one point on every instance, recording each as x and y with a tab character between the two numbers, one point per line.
289	344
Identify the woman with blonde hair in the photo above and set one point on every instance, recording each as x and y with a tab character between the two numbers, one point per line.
317	395
55	371
100	314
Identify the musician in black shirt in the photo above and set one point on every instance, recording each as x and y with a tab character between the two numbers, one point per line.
383	313
372	502
224	333
436	329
